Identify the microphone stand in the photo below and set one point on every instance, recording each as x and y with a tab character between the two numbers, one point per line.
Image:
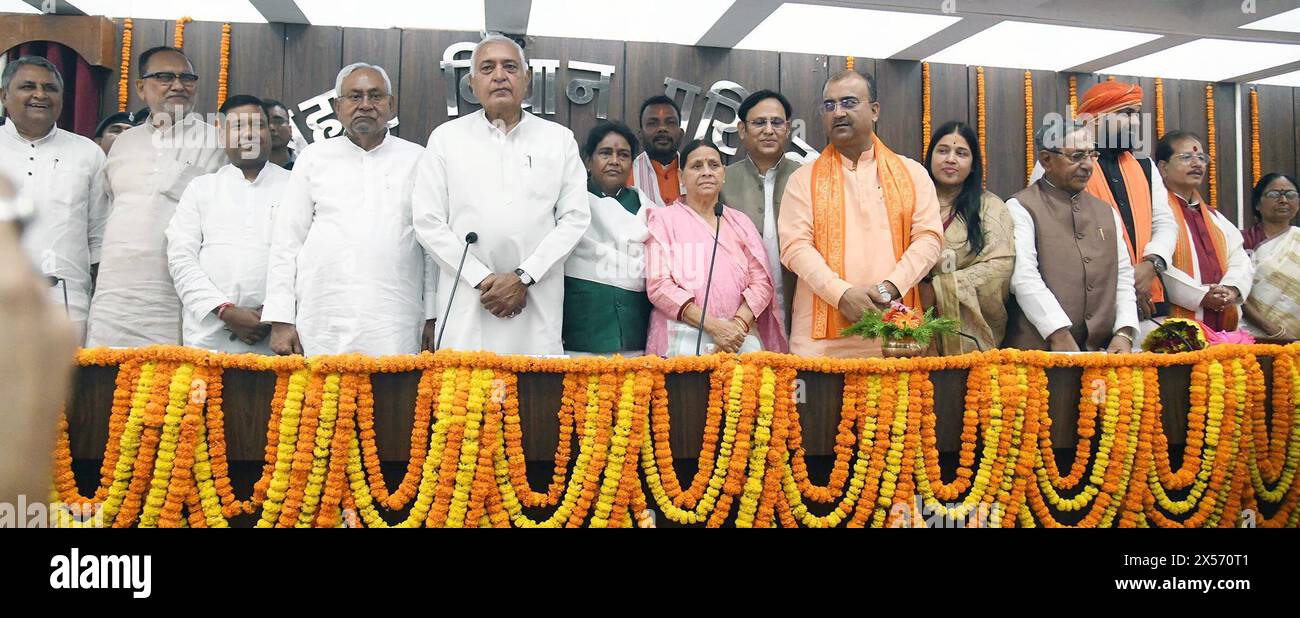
470	239
708	285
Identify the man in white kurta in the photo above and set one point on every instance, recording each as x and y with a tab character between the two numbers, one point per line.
135	302
58	178
518	182
220	237
345	269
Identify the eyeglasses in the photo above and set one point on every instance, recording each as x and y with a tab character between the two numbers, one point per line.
167	77
847	103
1277	194
1077	156
356	97
1188	157
758	124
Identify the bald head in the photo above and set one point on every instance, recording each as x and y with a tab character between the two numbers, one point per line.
850	75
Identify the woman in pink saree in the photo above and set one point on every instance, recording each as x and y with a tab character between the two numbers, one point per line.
741	315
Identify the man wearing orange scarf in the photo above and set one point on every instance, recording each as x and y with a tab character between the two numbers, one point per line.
1210	276
859	226
1131	185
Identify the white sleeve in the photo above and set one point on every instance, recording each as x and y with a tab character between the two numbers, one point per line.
1126	313
1032	294
97	206
1164	228
293	221
1241	273
572	216
199	296
431	217
430	286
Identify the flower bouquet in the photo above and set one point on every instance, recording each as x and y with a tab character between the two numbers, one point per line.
902	331
1184	335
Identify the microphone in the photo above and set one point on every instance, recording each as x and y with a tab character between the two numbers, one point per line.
978	347
470	239
704	311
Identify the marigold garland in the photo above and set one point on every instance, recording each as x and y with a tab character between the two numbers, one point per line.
168	449
223	74
178	33
124	71
1255	160
1212	145
982	123
1074	95
1029	125
1160	107
925	106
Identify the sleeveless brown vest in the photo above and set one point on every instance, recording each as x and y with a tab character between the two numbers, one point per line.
1077	260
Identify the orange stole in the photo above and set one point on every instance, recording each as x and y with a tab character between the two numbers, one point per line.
1185	258
1139	192
828	223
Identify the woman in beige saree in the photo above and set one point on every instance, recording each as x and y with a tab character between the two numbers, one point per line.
972	280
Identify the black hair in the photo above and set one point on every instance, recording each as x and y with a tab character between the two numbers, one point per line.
270	104
1165	147
697	144
967	204
1258	193
598	133
847	73
659	99
125	118
763	95
240	100
147	54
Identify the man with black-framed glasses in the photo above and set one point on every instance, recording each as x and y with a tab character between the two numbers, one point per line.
1072	284
756	183
135	302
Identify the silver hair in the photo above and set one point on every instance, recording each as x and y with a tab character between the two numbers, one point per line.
356	66
36	61
1056	132
497	38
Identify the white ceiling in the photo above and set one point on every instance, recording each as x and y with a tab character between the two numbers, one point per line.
1212	40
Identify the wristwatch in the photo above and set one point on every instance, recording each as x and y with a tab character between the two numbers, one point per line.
1158	262
884	291
524	277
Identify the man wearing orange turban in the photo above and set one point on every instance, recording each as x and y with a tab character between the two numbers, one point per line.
1128	183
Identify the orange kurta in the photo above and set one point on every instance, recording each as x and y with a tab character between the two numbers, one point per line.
669	179
869	248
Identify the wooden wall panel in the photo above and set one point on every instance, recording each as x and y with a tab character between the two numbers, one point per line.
257	60
899	127
1004	96
312	58
950	95
421	93
145	33
801	79
1051	96
1225	122
1277	141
